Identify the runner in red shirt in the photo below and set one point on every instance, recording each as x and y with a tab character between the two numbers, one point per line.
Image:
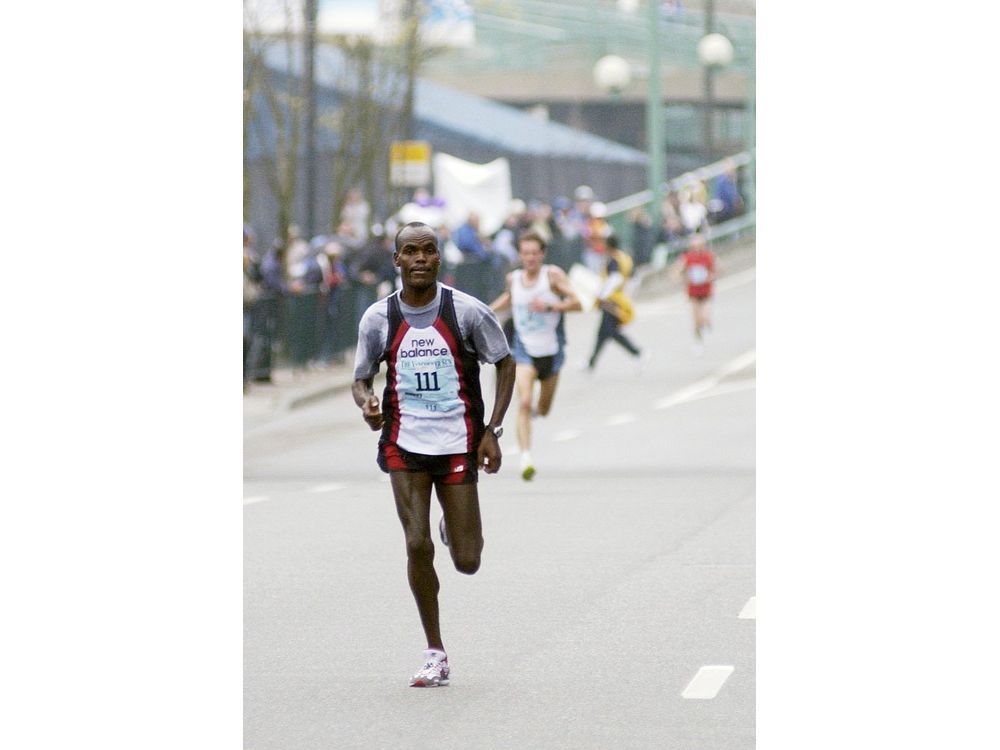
697	266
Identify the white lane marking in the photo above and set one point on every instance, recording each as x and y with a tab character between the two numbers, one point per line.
618	419
749	611
565	435
707	683
722	390
254	499
735	365
705	384
326	487
686	393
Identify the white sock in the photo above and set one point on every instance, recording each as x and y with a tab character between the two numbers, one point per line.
434	654
526	459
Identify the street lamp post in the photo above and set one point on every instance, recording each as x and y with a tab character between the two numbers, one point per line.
654	117
708	79
750	134
714	51
310	124
612	74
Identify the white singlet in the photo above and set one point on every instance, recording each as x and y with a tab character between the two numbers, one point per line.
432	414
536	330
697	274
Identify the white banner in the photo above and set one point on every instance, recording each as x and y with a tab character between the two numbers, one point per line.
465	187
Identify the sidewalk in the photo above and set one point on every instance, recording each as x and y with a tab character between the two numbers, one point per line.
262	402
290	391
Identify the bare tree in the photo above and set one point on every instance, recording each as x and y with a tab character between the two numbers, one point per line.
285	106
371	84
375	90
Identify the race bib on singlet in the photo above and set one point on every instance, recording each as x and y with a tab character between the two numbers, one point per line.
426	377
697	274
527	321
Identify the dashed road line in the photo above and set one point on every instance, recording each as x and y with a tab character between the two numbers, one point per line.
565	435
331	487
722	390
707	683
699	387
686	393
254	499
618	419
735	365
749	611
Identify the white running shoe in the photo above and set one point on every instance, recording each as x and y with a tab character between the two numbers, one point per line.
444	532
434	673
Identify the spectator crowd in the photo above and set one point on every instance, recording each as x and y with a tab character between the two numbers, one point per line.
303	298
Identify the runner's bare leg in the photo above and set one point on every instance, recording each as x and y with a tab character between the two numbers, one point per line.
412	492
524	383
460	503
696	311
547	393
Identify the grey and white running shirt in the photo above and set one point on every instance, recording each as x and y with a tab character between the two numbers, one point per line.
478	324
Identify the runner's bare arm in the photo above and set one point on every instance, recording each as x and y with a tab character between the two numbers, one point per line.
676	269
503	301
559	282
367	401
489	454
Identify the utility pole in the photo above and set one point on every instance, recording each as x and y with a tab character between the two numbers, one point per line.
411	26
709	95
654	116
310	124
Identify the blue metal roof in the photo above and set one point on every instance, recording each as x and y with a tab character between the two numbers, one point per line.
477	118
511	129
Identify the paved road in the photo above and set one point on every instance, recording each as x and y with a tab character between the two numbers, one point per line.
608	584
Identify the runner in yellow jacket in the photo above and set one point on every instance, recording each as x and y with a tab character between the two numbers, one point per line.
616	308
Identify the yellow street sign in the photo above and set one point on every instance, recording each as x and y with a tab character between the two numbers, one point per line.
410	163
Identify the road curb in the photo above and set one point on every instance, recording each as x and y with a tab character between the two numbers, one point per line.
319	394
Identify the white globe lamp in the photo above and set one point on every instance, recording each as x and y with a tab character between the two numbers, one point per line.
612	73
715	51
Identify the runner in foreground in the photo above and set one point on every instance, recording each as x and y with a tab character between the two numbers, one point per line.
432	339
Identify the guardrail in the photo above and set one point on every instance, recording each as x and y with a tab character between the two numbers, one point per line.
636	200
736	227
